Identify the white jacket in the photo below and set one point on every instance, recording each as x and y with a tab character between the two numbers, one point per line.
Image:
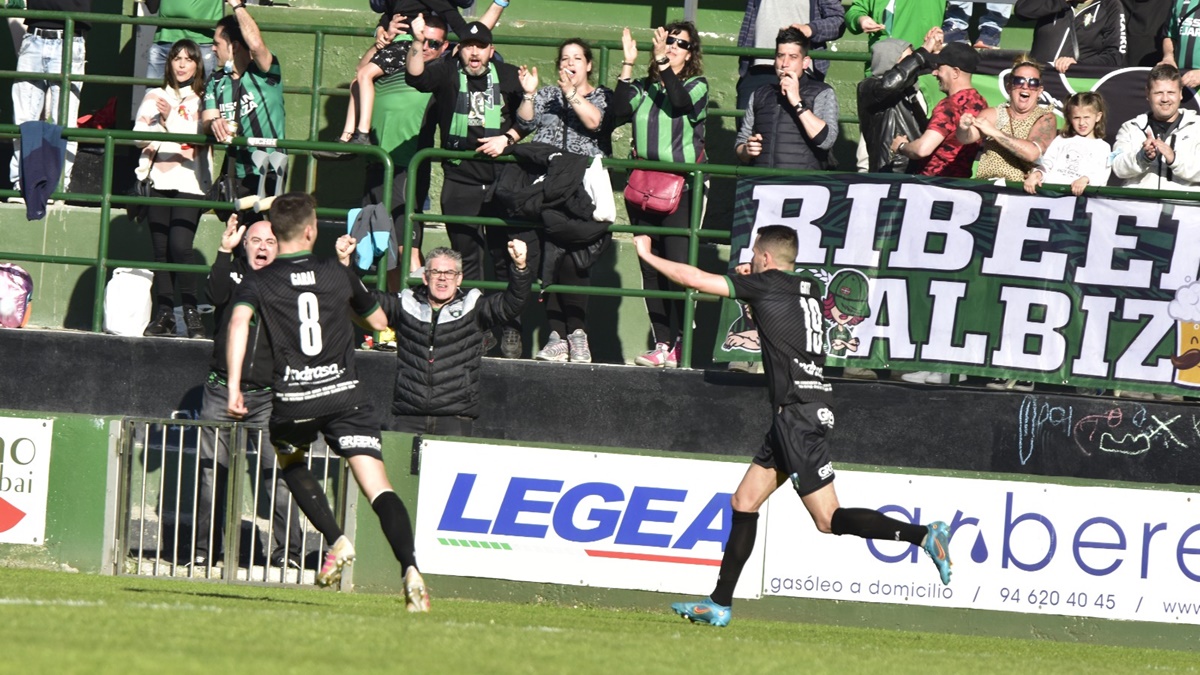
1131	166
171	166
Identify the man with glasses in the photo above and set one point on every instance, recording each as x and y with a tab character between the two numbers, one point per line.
938	151
439	339
1016	134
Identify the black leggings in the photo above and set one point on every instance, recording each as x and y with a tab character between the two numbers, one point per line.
172	231
567	312
666	316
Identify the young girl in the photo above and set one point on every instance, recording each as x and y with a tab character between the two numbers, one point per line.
1080	157
182	172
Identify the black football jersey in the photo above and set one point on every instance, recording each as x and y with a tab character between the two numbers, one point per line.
787	311
304	303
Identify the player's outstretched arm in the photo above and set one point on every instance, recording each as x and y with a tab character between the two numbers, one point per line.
235	355
684	275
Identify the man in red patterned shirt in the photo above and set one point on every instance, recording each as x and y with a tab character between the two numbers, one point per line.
938	152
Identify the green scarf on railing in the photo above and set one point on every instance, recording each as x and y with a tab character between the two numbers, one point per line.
489	102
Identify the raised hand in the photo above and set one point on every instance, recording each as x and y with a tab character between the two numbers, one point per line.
232	235
517	250
629	46
528	78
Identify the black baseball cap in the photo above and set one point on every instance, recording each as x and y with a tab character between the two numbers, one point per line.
478	33
958	55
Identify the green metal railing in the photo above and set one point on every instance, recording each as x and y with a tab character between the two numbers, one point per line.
106	199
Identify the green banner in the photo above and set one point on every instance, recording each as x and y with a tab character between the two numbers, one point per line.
972	278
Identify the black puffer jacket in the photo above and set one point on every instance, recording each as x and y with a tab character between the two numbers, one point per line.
1095	35
438	354
888	107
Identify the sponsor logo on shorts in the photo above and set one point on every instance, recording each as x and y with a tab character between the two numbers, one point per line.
356	441
825	416
825	471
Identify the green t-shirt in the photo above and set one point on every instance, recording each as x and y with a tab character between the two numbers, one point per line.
209	11
262	112
397	118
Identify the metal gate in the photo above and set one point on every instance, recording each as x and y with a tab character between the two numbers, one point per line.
206	500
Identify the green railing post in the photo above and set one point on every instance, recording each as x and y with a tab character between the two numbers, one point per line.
102	247
314	109
689	305
602	79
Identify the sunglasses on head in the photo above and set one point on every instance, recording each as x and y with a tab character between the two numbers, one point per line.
1018	81
433	44
685	45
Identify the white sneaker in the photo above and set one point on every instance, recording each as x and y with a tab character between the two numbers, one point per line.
919	377
579	350
556	349
1135	395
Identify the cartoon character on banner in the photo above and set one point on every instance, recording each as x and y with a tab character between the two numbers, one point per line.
1185	309
846	305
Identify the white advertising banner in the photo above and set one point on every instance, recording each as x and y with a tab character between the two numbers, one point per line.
24	479
578	518
1036	548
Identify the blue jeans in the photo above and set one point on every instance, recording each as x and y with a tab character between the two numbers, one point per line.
35	100
156	60
958	18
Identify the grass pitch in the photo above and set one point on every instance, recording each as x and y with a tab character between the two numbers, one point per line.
58	622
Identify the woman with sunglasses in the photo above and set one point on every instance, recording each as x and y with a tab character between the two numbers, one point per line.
569	115
1016	134
667	108
176	171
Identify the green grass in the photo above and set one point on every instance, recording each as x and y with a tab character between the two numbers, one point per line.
58	622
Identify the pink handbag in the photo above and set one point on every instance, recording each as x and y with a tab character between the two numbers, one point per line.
654	191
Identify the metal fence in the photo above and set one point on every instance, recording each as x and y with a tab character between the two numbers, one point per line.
206	500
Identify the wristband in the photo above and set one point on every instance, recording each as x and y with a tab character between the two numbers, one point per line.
240	5
663	61
502	3
528	97
628	63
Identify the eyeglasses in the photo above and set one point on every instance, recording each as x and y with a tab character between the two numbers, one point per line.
434	44
442	274
1018	82
685	45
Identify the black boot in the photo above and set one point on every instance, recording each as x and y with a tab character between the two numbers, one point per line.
163	324
195	327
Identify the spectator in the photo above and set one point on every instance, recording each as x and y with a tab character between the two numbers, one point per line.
258	249
938	151
389	54
477	102
821	21
668	108
792	123
1080	157
208	11
991	24
1144	22
1016	134
41	52
176	171
570	115
889	102
437	371
1179	44
1076	31
247	96
1160	150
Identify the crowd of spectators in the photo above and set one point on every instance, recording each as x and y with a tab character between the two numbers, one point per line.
227	82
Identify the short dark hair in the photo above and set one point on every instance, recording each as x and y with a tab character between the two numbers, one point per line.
290	213
793	36
1163	72
233	32
780	241
435	21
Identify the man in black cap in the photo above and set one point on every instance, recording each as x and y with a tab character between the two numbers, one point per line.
937	152
476	101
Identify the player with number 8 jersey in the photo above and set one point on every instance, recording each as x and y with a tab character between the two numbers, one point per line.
302	302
